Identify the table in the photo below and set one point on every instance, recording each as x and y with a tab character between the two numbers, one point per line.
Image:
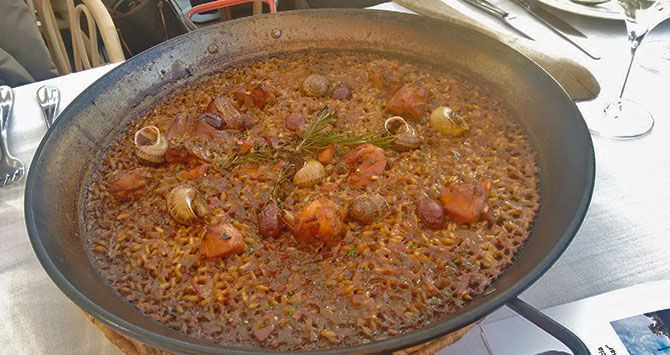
35	317
623	241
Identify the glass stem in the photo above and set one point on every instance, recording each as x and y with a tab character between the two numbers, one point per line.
625	80
635	41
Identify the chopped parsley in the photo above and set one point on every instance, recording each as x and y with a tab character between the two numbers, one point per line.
352	250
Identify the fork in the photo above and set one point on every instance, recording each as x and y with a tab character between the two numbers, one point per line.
48	96
11	169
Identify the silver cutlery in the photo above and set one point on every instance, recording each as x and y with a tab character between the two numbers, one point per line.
49	97
11	169
518	24
558	26
590	2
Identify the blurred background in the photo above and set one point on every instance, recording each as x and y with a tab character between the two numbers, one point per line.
57	37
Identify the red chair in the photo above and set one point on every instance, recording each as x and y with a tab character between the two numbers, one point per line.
220	4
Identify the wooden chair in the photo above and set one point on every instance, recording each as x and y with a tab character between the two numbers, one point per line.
85	50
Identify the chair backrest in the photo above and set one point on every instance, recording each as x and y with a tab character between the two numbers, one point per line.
85	50
224	5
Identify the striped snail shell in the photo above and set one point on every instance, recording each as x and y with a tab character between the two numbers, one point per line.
406	137
368	207
185	204
150	145
310	174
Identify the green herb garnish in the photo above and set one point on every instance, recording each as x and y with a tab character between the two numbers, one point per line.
352	250
234	159
318	135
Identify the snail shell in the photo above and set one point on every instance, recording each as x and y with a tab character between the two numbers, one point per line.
310	174
315	86
150	145
368	207
406	137
185	204
446	121
226	108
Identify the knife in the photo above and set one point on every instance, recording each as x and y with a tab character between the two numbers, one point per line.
560	27
519	25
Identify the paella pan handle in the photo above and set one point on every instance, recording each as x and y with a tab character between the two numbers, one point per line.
563	334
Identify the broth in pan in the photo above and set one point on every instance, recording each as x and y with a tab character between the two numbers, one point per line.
311	201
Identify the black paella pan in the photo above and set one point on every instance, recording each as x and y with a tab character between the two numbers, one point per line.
553	123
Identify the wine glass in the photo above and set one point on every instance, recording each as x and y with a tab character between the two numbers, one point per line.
623	118
656	56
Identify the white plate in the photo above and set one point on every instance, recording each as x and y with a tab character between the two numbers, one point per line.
609	10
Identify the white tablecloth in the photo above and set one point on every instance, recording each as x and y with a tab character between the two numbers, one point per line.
623	241
35	317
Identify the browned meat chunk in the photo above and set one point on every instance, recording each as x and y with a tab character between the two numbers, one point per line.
128	184
222	240
386	78
320	222
430	213
366	165
256	94
409	102
326	155
464	202
270	221
194	173
182	154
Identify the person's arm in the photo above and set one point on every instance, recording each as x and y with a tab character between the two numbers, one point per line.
11	72
24	56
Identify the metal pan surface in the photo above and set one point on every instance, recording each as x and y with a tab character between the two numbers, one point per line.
552	121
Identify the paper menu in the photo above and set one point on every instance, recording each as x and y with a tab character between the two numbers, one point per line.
609	324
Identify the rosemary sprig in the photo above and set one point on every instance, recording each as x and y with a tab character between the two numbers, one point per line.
348	139
318	135
286	173
316	130
234	159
